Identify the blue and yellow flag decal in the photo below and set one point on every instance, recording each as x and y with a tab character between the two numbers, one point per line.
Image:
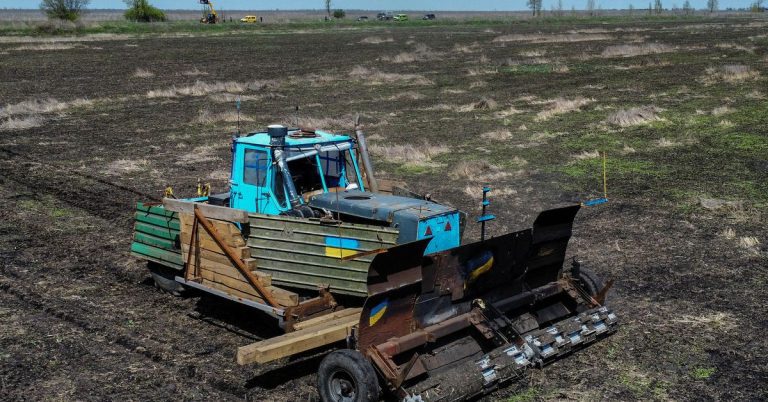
478	266
377	312
340	247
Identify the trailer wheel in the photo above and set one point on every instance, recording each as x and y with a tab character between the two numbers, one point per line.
589	280
346	376
164	278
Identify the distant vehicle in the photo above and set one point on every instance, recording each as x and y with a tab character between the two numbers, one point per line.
210	16
362	18
384	16
249	19
428	17
401	17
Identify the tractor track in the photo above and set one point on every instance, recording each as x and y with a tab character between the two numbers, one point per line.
95	196
129	344
78	173
89	196
91	319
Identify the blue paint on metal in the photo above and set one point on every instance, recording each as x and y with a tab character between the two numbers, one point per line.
357	171
485	218
263	195
322	138
412	216
342	242
592	203
255	188
445	232
377	312
251	191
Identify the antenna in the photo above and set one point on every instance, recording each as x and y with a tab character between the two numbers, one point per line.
237	106
296	116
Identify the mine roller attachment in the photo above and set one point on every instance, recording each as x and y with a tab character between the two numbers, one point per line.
460	323
455	324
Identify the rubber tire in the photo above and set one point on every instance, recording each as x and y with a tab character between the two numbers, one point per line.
355	367
589	280
164	278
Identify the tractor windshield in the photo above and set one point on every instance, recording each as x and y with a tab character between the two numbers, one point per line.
323	168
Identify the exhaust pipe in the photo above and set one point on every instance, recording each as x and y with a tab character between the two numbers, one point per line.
277	135
363	147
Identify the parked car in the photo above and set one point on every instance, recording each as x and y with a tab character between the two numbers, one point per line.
249	19
384	16
401	17
362	18
428	17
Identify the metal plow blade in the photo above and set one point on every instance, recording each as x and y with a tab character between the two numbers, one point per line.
458	323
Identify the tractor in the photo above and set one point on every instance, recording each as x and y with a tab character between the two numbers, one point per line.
342	260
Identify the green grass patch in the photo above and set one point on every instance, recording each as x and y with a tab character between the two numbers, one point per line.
751	143
528	69
527	395
703	373
45	206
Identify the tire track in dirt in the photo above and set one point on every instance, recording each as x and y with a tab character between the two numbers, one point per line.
210	363
191	379
94	320
35	176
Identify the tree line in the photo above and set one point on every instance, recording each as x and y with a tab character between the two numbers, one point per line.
142	11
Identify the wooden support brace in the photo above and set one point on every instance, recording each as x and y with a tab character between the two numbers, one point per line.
235	258
187	274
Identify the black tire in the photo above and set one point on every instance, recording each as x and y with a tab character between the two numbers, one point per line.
346	376
590	282
164	278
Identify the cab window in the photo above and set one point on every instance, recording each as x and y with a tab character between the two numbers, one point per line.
333	168
255	167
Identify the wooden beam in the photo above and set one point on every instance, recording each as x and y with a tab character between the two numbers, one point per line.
235	258
211	211
233	292
188	274
212	248
327	317
227	278
297	341
233	287
234	240
220	257
223	227
226	230
284	297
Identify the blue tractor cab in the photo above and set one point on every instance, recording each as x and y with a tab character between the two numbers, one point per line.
315	174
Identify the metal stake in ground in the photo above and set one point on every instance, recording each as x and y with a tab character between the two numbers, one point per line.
485	217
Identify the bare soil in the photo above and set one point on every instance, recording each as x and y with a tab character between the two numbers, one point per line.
82	320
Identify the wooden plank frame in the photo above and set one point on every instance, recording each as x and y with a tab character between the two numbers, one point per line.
210	211
201	220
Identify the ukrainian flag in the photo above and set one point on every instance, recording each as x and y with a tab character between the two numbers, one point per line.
377	312
340	247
